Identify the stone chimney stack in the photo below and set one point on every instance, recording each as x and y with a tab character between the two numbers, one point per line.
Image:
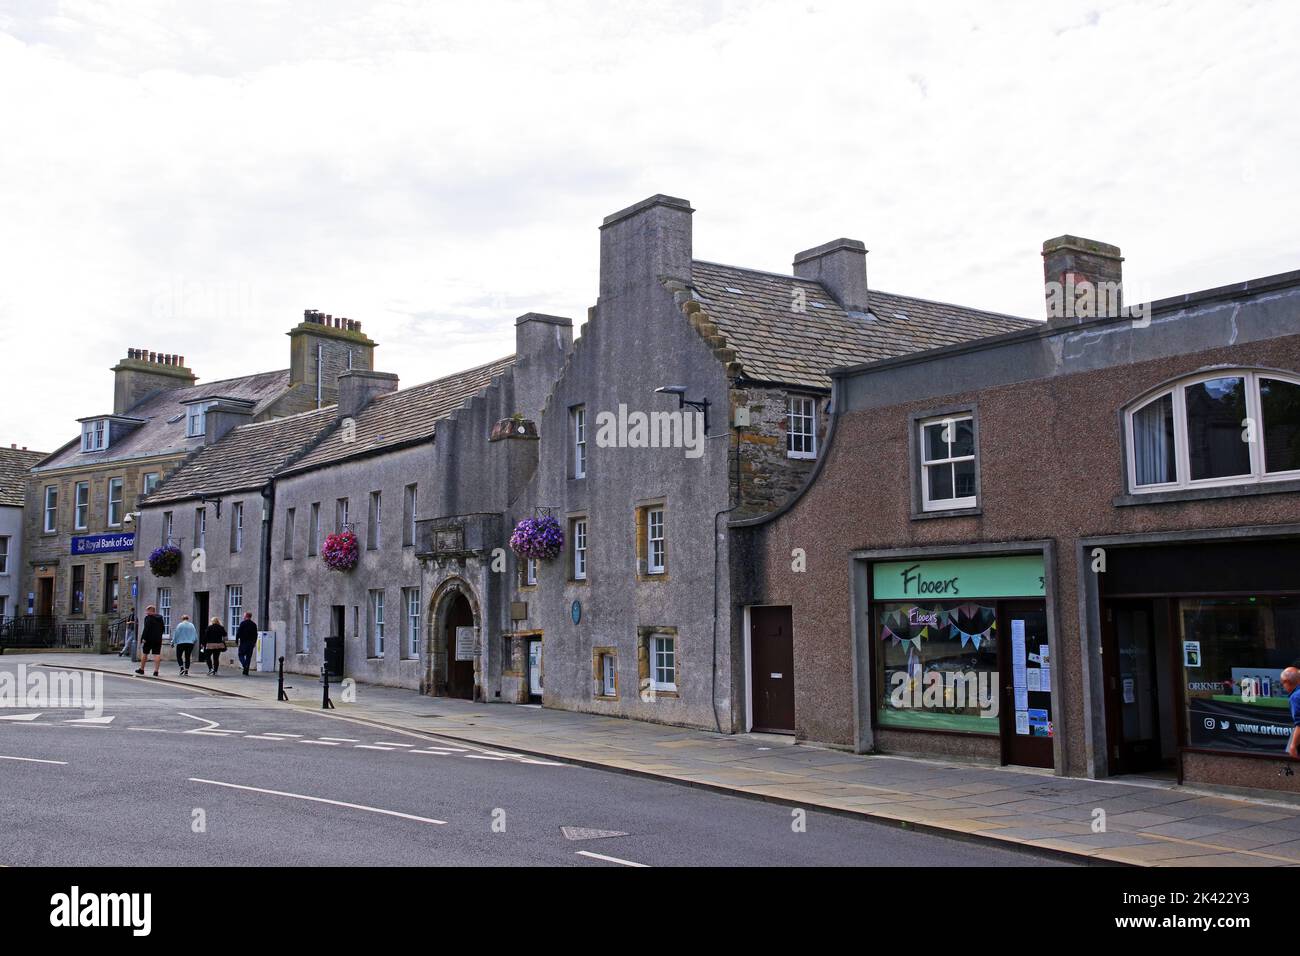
644	242
1082	279
321	349
542	344
223	415
359	387
143	373
841	267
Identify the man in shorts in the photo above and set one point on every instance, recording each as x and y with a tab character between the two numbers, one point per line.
151	636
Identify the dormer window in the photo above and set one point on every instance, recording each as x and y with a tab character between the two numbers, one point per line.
1225	427
196	419
94	435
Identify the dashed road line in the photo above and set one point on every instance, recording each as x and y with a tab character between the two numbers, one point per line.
334	803
271	733
371	747
611	859
343	740
482	757
321	743
263	737
61	763
389	743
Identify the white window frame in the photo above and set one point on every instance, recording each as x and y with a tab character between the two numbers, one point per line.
801	410
410	501
375	531
656	549
4	555
951	421
579	549
80	508
169	527
411	623
290	518
304	623
150	482
608	675
579	419
237	526
201	528
164	604
530	572
94	435
196	419
51	524
377	622
234	607
342	508
657	646
115	504
313	530
1182	456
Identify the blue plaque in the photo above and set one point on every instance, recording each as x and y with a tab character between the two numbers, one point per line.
576	611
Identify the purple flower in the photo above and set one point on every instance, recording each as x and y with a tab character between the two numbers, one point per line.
540	538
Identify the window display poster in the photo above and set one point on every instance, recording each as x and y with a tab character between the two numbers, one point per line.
1191	653
1038	723
1019	681
1022	723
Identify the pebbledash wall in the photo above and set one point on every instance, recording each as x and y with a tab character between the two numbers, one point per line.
1052	483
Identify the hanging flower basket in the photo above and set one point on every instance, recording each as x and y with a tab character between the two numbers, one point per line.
340	551
540	538
165	561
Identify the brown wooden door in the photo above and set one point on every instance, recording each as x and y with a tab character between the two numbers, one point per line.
1132	698
460	674
771	643
1028	723
45	597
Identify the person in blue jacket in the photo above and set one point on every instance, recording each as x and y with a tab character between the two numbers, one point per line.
183	639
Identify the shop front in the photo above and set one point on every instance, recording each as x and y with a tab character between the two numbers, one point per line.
1194	635
962	647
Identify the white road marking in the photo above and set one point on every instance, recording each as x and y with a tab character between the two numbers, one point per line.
370	747
61	763
431	750
389	743
271	733
321	743
611	859
483	757
334	803
92	721
21	717
541	763
343	740
263	737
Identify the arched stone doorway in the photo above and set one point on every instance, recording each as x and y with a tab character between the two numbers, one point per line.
459	673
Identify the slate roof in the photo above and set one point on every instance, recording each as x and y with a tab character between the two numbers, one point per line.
404	417
15	468
752	310
163	431
246	457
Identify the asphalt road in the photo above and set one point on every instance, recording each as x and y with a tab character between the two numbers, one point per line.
181	778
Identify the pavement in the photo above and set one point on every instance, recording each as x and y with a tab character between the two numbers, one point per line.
1145	823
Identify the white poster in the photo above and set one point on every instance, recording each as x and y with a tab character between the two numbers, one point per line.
1022	723
1018	679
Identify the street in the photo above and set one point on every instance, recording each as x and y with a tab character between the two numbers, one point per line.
173	777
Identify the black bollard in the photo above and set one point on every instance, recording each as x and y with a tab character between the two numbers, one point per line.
281	695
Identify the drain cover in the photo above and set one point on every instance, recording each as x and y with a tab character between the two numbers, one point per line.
586	833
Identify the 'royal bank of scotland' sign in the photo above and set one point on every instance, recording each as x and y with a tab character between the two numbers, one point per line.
103	543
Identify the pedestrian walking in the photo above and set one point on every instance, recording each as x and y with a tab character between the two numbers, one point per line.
214	642
184	639
151	635
1291	684
128	643
246	635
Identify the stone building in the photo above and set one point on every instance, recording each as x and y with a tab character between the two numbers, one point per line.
15	468
634	618
82	500
423	477
1072	547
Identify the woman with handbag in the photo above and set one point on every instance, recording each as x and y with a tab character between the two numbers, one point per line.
214	642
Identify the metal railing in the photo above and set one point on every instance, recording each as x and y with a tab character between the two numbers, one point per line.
31	630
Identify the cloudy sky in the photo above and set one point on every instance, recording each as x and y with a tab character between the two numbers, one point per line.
188	177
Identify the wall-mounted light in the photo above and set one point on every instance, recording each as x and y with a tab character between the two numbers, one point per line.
682	401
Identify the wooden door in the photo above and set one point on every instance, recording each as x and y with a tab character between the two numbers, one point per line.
771	643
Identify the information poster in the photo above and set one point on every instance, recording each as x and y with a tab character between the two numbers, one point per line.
1019	678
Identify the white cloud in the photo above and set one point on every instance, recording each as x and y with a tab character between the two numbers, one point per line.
189	177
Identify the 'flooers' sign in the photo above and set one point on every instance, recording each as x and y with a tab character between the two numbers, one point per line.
103	543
